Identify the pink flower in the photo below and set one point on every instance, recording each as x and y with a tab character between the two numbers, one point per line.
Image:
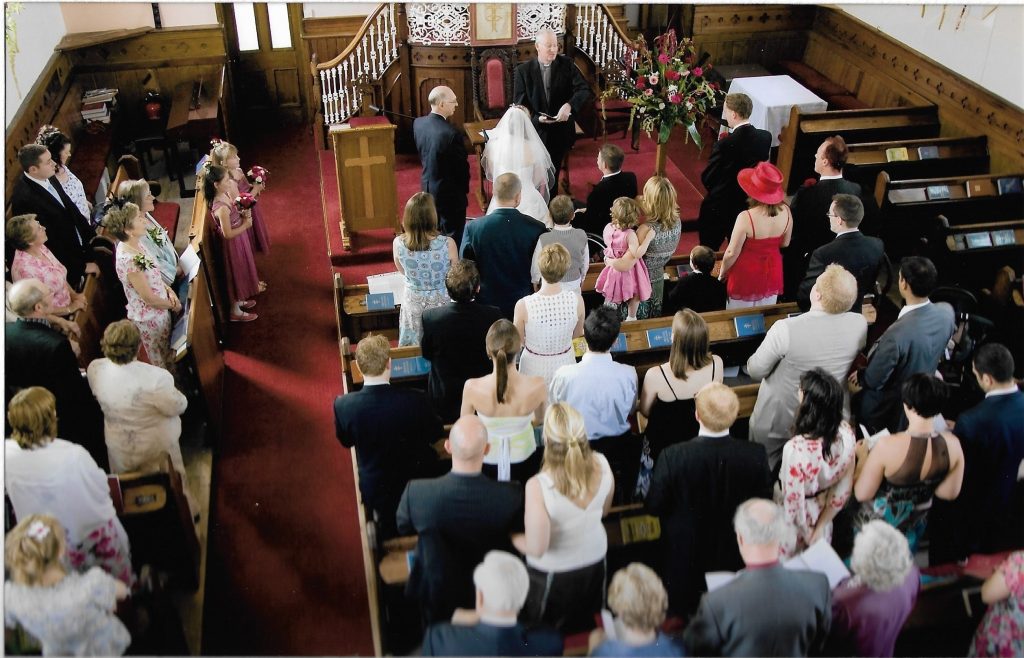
810	181
663	58
675	98
245	201
698	71
672	74
648	92
653	79
639	83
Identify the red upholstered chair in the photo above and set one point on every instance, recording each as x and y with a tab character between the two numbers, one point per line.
493	69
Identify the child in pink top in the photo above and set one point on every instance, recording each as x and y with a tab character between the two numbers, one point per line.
632	285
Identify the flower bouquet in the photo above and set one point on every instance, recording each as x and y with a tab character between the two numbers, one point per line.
245	201
258	174
143	262
664	85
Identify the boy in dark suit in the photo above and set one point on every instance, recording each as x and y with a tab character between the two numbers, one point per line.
698	291
442	152
613	184
741	149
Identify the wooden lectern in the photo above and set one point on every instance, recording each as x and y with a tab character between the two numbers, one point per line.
367	191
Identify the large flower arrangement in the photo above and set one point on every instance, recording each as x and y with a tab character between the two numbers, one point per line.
664	85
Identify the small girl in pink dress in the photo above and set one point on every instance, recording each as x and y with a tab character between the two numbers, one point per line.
226	155
633	285
232	225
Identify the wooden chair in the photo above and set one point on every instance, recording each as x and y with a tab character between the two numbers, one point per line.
493	71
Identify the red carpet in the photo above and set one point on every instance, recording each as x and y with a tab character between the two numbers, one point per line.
284	575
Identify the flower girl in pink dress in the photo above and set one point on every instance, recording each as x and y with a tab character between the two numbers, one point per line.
633	285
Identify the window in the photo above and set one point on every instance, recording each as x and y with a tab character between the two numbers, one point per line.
280	34
245	26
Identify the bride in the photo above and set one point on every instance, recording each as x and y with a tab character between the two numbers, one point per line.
514	146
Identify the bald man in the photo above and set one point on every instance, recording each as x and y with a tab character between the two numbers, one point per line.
459	517
445	166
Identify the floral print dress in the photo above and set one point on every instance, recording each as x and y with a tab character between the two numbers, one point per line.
424	285
154	324
809	483
47	269
1001	631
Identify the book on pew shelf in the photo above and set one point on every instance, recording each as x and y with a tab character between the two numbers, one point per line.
909	195
819	558
393	282
684	269
620	344
983	187
978	240
898	154
1011	185
934	192
661	337
1003	237
749	325
381	301
579	346
927	152
410	366
959	242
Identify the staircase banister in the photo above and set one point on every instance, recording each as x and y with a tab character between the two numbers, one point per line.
618	29
354	43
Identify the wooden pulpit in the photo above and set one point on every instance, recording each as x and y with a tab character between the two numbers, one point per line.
364	157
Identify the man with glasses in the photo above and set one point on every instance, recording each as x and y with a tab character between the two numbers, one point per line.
859	254
442	152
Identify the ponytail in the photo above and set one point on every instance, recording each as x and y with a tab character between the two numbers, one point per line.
568	457
502	342
501	375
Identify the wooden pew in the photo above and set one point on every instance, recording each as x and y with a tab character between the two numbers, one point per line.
803	135
956	156
969	255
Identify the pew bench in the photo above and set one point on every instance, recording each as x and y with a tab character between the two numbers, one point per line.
943	156
969	255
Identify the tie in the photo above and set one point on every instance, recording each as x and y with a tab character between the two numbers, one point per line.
545	72
52	190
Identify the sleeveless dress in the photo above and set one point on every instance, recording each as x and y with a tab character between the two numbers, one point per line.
618	287
424	285
547	345
154	324
672	422
904	499
757	272
513	454
660	249
259	235
243	280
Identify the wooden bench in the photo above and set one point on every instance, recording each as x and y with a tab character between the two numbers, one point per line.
969	255
803	135
954	156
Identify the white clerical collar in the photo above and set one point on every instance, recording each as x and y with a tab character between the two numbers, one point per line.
614	173
835	177
849	230
1009	390
911	307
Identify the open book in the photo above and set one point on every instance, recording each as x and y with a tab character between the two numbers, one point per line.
820	558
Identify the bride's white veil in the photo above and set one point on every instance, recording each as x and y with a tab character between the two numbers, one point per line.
514	146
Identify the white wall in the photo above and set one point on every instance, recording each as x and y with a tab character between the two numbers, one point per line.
40	27
325	9
988	51
184	14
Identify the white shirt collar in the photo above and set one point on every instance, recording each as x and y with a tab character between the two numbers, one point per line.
561	227
369	383
849	230
835	177
706	432
1009	390
614	173
738	125
911	307
594	356
44	182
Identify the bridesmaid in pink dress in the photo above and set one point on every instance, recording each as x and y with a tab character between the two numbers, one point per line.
226	155
150	300
233	225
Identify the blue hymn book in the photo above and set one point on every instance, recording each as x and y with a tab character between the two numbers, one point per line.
381	301
749	325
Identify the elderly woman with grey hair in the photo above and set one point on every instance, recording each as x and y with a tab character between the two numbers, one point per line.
869	609
640	603
159	243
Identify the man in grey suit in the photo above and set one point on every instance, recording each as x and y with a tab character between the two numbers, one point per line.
913	344
828	336
767	610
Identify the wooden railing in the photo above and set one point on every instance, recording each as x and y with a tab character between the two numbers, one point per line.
599	36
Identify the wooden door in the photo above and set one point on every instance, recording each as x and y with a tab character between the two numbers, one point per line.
262	41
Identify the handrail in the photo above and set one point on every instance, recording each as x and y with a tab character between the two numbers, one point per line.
599	36
373	49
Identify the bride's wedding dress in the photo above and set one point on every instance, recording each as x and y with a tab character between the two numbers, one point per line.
514	146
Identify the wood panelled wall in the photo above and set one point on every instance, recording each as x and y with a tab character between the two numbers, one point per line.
965	109
751	34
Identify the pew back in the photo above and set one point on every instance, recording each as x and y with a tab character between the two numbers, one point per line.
926	158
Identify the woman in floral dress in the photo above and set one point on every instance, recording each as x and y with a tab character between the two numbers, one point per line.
156	240
1001	631
32	260
423	255
150	300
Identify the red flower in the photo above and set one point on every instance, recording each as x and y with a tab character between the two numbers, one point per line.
245	201
675	98
640	83
810	181
698	71
663	58
672	74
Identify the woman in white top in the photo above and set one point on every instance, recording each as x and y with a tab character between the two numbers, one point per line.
507	403
514	146
59	146
564	540
47	475
550	318
141	408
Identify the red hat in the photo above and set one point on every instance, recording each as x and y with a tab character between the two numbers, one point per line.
763	183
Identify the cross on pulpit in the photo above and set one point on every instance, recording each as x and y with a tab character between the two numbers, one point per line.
366	201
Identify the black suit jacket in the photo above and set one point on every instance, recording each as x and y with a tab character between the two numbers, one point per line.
600	199
64	225
458	518
502	243
695	489
860	254
37	355
567	86
453	342
445	164
392	430
698	292
743	148
486	640
810	205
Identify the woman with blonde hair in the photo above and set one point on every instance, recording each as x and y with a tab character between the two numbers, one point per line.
70	614
564	540
159	243
150	300
48	475
225	155
508	403
423	254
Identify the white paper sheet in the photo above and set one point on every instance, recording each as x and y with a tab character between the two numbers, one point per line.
820	558
190	262
393	282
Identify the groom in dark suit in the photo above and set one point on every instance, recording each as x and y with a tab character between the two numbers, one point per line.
445	166
38	192
501	244
554	92
743	148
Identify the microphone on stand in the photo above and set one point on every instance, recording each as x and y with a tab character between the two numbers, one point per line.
381	110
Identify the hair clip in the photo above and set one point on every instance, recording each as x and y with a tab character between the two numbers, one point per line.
38	530
215	141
